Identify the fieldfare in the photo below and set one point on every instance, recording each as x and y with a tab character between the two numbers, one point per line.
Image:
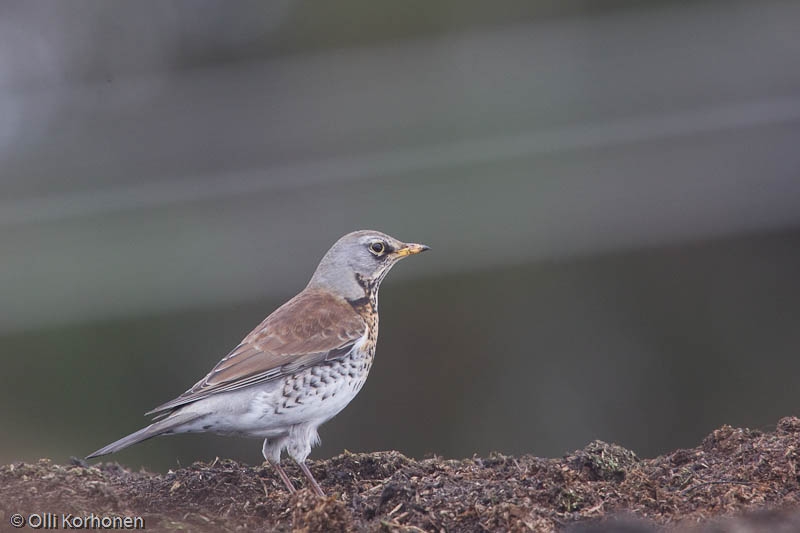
298	368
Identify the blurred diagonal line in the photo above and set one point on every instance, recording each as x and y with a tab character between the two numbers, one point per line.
375	165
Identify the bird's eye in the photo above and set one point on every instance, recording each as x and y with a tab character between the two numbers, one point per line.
377	247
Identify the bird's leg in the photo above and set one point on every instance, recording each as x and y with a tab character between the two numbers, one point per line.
272	453
314	484
301	438
284	477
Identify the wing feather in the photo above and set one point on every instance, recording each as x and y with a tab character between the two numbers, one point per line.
312	327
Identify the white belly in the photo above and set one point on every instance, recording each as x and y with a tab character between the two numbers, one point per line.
312	396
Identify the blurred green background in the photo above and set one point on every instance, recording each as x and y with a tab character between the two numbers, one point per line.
611	191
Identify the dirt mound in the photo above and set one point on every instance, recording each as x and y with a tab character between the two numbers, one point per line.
598	488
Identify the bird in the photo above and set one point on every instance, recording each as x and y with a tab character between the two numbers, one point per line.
299	367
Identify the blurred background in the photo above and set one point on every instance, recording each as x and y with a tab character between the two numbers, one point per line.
611	191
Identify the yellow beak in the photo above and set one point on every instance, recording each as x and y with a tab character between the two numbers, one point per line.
411	249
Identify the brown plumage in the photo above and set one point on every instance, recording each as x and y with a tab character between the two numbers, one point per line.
312	327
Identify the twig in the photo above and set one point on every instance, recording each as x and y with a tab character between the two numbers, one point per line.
721	482
401	527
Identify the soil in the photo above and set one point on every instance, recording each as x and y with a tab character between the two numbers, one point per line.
737	480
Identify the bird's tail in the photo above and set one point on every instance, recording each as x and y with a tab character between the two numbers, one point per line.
161	427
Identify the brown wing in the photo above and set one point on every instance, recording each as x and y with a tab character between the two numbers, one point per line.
312	327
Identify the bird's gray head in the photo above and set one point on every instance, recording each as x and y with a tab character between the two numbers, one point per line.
358	262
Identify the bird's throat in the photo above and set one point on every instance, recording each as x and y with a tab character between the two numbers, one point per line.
367	304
